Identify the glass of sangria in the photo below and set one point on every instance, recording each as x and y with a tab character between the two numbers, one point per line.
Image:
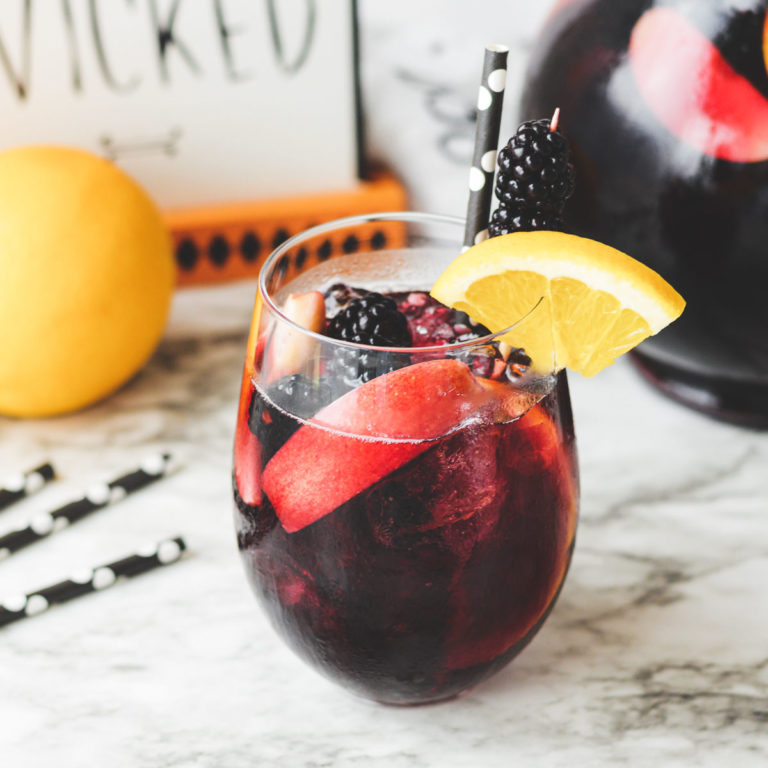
405	481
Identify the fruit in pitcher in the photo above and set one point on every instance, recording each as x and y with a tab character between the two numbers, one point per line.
711	106
666	107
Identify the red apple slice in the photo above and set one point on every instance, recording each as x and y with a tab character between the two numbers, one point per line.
542	444
317	469
247	463
694	92
288	349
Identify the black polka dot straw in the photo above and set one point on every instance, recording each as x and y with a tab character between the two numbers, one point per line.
97	497
22	484
90	580
489	103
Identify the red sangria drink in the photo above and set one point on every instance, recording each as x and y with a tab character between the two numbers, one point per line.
665	103
405	480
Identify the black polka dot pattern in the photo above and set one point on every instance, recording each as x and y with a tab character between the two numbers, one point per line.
378	241
96	497
218	250
280	237
250	247
489	103
23	484
187	254
91	580
325	250
351	244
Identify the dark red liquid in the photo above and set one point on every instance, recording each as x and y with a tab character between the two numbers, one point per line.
633	80
437	575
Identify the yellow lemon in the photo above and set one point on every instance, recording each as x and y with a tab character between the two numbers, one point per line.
583	303
86	277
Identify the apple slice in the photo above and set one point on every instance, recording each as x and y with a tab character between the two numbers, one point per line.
694	92
318	469
288	349
247	463
542	446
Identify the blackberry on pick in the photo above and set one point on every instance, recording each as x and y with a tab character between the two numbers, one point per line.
373	320
296	395
505	220
535	179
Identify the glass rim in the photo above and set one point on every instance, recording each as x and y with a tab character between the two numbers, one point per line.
330	226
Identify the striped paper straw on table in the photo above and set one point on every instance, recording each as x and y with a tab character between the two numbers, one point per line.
22	484
90	580
97	497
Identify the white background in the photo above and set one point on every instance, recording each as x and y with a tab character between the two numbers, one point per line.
422	62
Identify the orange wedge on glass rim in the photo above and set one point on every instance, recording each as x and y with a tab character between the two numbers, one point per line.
575	303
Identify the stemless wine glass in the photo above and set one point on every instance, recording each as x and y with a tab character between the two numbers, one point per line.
406	516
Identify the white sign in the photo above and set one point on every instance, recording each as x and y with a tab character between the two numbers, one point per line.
203	101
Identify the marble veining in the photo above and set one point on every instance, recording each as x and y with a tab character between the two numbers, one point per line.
656	654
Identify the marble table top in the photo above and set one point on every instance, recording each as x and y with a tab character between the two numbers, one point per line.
656	653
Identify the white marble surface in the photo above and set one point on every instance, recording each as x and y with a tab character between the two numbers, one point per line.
656	654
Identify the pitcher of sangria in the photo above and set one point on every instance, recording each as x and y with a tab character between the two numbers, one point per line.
665	104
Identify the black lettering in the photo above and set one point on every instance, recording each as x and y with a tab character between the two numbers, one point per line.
20	82
166	39
101	54
74	54
277	38
225	33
